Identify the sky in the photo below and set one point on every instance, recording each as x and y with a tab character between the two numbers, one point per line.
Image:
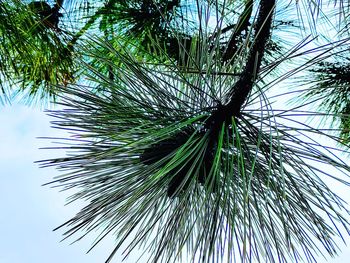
30	211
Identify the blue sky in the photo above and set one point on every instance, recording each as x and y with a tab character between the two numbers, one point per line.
30	211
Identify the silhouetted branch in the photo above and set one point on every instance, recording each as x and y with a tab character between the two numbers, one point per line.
242	25
241	89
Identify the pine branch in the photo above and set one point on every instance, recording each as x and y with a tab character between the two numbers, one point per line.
90	22
241	89
244	85
58	4
242	25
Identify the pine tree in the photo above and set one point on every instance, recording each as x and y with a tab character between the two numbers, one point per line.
183	143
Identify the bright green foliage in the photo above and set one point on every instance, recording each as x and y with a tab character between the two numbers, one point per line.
34	58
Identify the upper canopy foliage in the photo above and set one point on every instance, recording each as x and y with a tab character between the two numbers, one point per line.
182	143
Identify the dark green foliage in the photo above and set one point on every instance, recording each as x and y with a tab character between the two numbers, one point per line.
49	16
332	88
182	176
132	152
198	164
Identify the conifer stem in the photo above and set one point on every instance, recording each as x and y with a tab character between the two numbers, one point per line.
244	85
242	88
